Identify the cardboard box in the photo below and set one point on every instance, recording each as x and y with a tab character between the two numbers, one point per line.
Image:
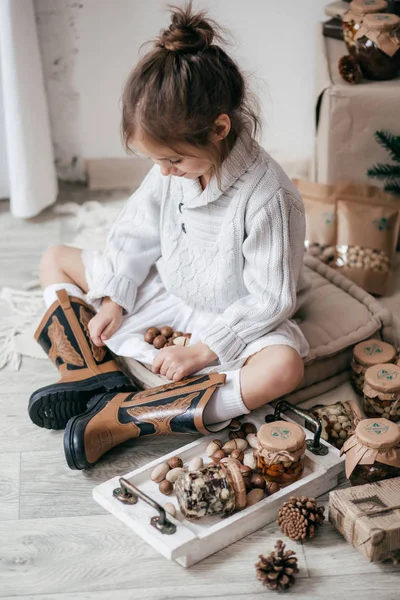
367	517
347	117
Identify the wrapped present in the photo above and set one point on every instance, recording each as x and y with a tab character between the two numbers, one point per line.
368	516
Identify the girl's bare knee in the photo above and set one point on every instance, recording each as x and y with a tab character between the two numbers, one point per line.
51	263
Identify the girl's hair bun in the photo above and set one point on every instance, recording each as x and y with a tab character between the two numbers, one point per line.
188	32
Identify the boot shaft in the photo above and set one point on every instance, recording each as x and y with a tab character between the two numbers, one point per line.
64	335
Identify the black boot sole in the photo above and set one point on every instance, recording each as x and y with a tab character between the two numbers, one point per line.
74	446
52	406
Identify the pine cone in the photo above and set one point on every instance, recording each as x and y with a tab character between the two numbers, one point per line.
277	570
349	69
299	518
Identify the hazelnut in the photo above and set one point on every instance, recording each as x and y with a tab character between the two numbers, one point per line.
238	454
166	487
166	331
175	462
249	428
213	446
149	337
233	435
159	342
272	487
246	471
258	481
153	330
177	334
254	496
235	425
216	457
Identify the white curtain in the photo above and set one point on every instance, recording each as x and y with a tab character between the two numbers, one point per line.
31	171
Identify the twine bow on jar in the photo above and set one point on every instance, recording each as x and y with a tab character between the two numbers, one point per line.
281	456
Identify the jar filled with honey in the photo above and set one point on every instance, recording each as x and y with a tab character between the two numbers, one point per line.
281	452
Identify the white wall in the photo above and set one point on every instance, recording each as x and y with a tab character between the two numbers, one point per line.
4	182
90	46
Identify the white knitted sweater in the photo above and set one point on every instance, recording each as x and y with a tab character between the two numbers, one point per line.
236	251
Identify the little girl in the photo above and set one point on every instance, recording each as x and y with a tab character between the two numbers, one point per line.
211	244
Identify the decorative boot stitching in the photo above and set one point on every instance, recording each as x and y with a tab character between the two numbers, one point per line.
160	416
61	346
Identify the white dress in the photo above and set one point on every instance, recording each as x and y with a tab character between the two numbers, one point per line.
155	307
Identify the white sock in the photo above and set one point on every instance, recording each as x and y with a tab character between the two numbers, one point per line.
50	296
226	402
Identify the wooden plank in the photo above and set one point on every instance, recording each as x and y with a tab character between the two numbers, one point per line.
50	488
17	432
9	486
369	587
85	554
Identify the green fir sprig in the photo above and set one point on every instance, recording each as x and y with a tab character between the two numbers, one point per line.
390	173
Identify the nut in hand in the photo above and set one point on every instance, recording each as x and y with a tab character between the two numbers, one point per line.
159	342
149	337
154	331
167	331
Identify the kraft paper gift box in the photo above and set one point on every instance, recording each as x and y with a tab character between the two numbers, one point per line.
368	516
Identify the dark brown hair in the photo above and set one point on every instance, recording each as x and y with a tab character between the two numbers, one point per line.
179	88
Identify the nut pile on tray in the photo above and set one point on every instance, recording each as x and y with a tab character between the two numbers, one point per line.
166	336
239	448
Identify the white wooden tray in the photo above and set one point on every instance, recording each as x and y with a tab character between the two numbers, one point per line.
195	540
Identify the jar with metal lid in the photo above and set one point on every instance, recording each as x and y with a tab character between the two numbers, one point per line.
352	19
281	451
378	45
217	489
365	355
373	452
382	392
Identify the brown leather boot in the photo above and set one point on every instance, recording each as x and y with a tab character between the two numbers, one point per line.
85	369
112	419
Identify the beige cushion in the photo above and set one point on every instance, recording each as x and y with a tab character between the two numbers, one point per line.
337	315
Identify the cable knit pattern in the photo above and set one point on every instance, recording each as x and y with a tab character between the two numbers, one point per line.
236	250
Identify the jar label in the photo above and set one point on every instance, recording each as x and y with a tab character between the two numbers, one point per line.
329	217
281	432
376	428
387	374
372	350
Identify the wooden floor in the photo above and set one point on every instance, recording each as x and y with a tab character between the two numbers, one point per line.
56	542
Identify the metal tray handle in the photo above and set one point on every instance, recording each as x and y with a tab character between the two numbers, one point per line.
313	445
128	493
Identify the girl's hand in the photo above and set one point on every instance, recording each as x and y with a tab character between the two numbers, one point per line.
177	362
106	322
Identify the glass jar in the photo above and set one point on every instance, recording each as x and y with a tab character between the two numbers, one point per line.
382	392
338	421
373	452
378	45
214	490
281	452
352	19
365	355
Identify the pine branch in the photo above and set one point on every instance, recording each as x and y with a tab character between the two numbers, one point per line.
381	171
390	142
393	187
